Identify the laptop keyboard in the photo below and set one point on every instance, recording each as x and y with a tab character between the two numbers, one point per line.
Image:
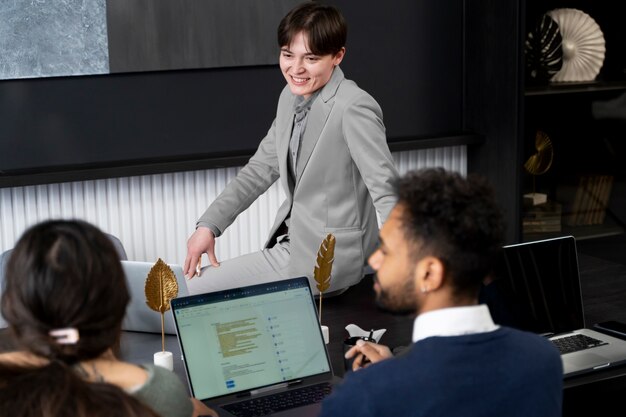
575	343
278	402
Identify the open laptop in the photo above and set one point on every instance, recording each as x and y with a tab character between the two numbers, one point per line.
260	344
139	317
537	288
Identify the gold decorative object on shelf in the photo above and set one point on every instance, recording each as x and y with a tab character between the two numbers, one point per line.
539	163
160	288
324	266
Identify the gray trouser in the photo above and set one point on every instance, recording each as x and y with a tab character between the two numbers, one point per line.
266	265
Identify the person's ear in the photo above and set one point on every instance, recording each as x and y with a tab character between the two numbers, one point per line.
429	274
339	56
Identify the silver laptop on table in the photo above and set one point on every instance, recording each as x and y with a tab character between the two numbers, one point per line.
537	288
139	317
252	350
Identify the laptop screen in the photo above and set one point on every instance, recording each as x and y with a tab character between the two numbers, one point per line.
247	338
537	287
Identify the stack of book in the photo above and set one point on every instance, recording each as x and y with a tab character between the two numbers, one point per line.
542	218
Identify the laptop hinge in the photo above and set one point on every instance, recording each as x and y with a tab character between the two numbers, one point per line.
265	390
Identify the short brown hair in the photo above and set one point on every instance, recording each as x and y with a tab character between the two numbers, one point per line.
323	24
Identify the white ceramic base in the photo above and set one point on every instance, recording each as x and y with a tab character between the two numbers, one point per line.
164	359
536	198
325	333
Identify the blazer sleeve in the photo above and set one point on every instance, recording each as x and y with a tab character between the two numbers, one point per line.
364	133
253	179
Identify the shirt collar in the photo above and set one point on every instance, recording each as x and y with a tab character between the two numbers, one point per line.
453	321
301	103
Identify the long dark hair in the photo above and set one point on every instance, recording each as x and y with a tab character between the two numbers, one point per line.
63	274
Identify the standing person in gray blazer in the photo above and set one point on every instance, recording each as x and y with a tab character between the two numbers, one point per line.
327	147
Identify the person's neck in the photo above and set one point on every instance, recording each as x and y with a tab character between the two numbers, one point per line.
103	360
434	302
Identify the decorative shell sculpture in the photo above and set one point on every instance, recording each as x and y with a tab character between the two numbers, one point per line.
583	45
544	55
324	266
160	288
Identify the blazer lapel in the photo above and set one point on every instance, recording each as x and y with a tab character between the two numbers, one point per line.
283	136
317	119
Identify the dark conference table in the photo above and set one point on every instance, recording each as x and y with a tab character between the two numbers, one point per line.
598	392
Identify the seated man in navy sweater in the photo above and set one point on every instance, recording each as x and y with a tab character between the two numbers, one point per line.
437	245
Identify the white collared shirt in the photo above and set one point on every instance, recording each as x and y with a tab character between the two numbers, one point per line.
453	321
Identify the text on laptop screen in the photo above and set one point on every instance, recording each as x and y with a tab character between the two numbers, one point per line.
537	287
246	338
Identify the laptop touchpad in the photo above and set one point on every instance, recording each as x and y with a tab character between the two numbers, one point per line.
585	359
311	410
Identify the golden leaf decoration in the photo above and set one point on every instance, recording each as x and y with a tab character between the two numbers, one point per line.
323	267
161	287
325	258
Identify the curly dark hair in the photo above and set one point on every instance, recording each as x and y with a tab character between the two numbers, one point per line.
453	218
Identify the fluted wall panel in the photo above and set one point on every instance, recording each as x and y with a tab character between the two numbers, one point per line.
153	215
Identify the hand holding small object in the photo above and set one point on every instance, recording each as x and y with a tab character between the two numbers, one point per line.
365	353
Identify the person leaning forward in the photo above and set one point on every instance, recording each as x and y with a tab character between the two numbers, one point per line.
436	247
328	150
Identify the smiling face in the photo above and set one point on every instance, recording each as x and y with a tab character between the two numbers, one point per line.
304	71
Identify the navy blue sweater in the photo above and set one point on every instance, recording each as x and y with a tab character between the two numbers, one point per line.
506	372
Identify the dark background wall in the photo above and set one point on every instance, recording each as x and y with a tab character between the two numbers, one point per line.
407	54
149	35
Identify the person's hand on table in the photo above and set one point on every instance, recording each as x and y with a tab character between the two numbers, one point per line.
201	241
366	353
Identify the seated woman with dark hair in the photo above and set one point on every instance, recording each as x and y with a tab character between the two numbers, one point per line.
64	300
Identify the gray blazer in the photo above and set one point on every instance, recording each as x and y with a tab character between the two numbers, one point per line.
344	176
